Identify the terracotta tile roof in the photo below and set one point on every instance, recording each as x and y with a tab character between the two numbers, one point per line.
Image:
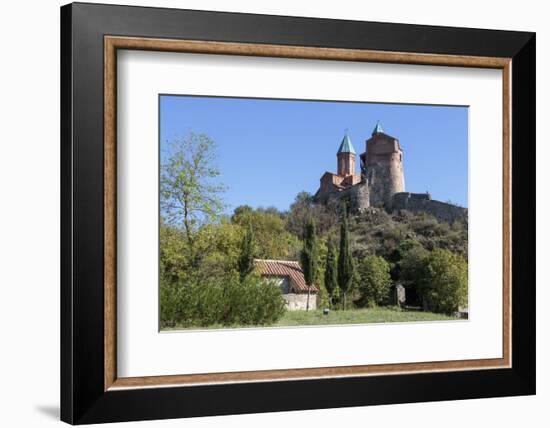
285	268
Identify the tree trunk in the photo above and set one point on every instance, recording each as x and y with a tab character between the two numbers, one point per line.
186	222
308	293
345	300
188	231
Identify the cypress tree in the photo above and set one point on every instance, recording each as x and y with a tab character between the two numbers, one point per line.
331	279
246	256
345	261
308	258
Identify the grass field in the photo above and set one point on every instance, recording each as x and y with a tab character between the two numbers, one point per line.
355	316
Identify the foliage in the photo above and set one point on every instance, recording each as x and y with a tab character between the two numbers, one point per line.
227	302
345	261
216	250
246	256
188	195
272	239
309	258
308	255
174	257
303	208
377	232
444	285
375	281
331	271
411	263
322	296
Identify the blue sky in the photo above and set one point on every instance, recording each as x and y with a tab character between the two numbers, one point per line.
269	150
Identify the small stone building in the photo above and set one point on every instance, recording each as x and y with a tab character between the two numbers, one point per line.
288	275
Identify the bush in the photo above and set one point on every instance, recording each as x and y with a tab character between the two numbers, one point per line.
225	302
444	286
374	281
411	265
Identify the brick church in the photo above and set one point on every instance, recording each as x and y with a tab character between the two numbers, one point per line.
381	180
380	177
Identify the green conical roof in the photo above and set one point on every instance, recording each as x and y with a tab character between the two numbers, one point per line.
378	128
346	146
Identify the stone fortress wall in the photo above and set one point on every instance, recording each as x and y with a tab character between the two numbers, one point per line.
359	199
357	196
422	202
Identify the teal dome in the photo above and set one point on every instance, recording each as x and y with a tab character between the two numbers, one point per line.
378	129
346	146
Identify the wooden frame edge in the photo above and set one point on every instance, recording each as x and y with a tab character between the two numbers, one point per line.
299	374
109	197
112	43
301	52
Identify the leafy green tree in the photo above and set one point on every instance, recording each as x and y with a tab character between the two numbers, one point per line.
174	258
216	250
309	259
410	271
188	194
331	271
304	208
345	261
246	256
412	264
272	239
375	280
444	285
242	212
299	214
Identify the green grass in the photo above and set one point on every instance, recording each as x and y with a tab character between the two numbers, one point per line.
352	316
358	316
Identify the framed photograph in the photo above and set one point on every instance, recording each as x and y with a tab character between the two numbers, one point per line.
266	213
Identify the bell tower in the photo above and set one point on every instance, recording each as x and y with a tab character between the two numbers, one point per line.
346	158
382	164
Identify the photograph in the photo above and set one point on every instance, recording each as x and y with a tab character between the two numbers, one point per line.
278	213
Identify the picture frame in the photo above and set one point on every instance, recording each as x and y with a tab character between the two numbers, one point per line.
91	391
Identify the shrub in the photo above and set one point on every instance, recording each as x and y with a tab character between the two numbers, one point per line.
444	284
169	304
374	281
411	265
255	301
220	301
